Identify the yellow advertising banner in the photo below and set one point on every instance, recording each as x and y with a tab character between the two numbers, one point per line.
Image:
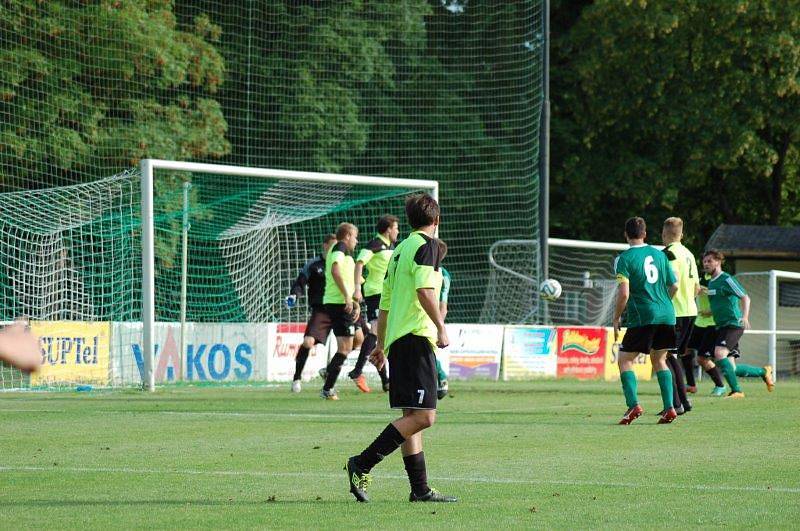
72	352
641	367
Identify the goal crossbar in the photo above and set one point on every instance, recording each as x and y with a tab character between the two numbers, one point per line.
148	168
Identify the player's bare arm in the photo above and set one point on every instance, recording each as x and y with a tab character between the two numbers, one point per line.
623	294
744	304
378	357
673	289
20	348
336	273
428	300
359	279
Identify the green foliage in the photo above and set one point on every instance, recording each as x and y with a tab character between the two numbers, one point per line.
89	88
407	88
688	108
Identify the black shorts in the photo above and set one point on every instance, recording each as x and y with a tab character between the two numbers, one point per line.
412	373
649	337
342	323
728	337
703	339
318	326
683	331
373	302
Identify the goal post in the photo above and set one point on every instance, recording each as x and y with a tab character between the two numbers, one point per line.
260	213
774	334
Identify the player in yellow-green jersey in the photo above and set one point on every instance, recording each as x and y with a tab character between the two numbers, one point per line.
683	264
338	302
410	326
646	282
375	258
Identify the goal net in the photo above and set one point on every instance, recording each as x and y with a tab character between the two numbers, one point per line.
585	270
72	262
774	334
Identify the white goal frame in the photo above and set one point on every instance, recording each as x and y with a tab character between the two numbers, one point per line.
772	330
148	167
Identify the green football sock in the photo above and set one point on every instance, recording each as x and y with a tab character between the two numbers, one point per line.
629	385
440	372
665	384
729	373
749	370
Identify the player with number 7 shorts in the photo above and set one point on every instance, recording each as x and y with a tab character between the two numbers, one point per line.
646	285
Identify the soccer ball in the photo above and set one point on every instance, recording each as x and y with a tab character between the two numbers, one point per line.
550	289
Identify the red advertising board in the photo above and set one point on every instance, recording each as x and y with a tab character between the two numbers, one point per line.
581	352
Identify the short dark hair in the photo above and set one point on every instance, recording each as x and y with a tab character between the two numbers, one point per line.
421	210
635	228
442	249
385	222
716	254
328	238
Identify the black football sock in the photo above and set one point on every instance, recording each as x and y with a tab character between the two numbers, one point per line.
366	349
300	362
417	474
716	376
334	368
387	442
688	369
679	385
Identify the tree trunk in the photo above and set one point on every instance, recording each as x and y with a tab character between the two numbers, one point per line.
777	181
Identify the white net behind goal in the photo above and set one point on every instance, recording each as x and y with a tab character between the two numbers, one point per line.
758	342
585	270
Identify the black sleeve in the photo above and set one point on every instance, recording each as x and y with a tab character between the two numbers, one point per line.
428	254
299	284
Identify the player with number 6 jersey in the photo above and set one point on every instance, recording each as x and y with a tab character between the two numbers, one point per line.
646	283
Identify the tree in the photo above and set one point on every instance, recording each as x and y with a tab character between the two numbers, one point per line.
687	107
87	89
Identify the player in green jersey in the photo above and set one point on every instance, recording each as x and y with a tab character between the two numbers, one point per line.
684	266
338	302
730	306
704	335
443	386
375	257
646	285
409	328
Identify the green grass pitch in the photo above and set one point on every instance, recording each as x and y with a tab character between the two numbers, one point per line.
534	454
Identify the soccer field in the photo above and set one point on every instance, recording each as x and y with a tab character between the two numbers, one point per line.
533	454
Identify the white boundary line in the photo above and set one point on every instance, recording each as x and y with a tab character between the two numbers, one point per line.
473	479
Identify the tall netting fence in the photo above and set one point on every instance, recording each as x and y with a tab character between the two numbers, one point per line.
446	90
